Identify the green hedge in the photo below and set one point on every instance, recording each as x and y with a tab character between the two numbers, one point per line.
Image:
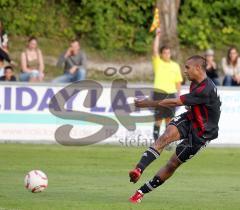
33	17
111	25
105	24
115	24
209	23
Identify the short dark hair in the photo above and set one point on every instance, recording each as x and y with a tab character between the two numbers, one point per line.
32	38
8	67
164	47
200	60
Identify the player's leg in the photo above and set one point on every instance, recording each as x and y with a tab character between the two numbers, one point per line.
152	153
163	174
169	147
171	134
177	129
168	170
156	128
185	150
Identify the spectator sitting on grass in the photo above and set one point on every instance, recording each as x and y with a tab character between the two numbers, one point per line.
74	61
8	74
211	68
32	62
231	68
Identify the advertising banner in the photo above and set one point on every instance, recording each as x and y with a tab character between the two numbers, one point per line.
25	115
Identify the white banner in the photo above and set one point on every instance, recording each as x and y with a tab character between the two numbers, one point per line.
25	116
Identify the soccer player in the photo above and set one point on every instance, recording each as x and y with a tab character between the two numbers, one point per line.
196	127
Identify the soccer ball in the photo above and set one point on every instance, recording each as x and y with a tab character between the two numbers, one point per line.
36	181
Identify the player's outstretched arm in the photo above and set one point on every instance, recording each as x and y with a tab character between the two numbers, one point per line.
166	103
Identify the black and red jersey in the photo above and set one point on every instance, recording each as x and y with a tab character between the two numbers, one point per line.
205	108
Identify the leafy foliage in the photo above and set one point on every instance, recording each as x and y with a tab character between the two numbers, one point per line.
115	24
28	17
209	23
106	25
110	25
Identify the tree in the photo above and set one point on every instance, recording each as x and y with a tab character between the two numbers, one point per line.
168	10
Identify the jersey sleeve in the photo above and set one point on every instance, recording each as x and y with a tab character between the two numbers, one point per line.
198	96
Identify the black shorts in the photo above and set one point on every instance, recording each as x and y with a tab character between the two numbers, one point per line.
191	143
163	112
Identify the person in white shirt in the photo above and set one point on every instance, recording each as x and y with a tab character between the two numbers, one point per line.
231	68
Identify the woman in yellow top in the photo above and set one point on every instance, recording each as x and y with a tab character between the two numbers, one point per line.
32	62
167	82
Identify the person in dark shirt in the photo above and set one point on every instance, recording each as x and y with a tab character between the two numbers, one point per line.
195	128
211	68
8	74
4	56
75	63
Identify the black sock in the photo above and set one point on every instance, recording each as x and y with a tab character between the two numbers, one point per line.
156	130
148	157
151	185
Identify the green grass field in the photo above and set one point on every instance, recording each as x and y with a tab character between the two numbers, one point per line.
96	177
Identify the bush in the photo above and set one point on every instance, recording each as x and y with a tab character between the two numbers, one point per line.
110	25
114	25
106	25
38	17
209	23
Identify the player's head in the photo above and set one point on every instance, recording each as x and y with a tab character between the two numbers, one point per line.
195	67
165	52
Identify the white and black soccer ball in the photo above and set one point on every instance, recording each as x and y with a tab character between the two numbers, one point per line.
36	181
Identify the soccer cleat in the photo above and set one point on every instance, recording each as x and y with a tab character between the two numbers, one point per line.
137	197
135	175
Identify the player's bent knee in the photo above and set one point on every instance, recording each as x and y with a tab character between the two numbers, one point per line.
161	142
170	135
